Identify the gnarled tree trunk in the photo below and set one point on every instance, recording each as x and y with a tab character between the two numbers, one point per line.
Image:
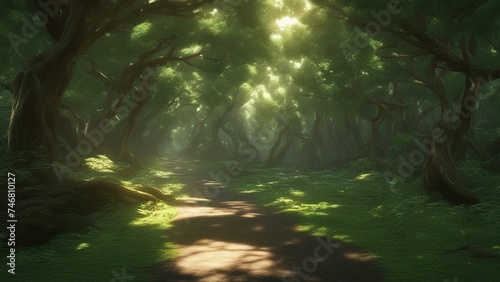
38	91
441	175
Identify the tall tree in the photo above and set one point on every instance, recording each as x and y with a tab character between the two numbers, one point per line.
74	27
438	29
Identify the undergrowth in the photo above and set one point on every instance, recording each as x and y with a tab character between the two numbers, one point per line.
414	235
119	244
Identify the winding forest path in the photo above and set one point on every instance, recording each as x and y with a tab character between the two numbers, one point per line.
228	238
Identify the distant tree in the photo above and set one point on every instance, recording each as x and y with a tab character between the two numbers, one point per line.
460	37
74	27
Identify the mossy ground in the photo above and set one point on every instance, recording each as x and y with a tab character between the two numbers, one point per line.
121	240
401	224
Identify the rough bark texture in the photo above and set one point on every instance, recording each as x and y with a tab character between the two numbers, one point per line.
38	90
46	206
464	126
47	210
280	148
441	175
219	124
197	135
78	24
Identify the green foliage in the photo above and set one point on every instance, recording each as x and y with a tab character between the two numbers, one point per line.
119	237
401	142
362	165
99	166
401	225
30	167
287	61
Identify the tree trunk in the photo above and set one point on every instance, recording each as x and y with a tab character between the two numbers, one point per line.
198	130
125	155
277	154
441	175
270	158
463	128
219	123
440	172
38	91
353	127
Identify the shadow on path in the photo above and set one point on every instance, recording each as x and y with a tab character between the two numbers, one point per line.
229	238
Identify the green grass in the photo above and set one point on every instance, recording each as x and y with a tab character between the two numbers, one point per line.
122	240
406	229
119	241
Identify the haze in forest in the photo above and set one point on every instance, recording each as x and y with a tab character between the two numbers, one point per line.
374	124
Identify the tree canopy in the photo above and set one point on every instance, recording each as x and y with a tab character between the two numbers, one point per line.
410	86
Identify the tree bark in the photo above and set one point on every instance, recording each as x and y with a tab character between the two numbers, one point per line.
277	153
38	91
463	128
219	122
441	175
197	134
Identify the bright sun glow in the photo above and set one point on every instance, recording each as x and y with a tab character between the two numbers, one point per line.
286	22
308	6
276	36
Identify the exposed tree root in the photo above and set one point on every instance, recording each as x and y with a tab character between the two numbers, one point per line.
97	189
157	193
48	210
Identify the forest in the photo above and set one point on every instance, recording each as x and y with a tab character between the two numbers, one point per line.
250	140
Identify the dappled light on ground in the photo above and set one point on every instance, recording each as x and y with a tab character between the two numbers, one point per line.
245	140
227	237
360	256
412	236
221	261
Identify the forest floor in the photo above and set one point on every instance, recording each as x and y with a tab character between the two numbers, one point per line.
269	222
223	235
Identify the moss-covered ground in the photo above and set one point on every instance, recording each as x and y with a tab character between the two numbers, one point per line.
120	242
416	236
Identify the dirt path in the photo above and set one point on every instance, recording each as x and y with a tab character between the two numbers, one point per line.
229	238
